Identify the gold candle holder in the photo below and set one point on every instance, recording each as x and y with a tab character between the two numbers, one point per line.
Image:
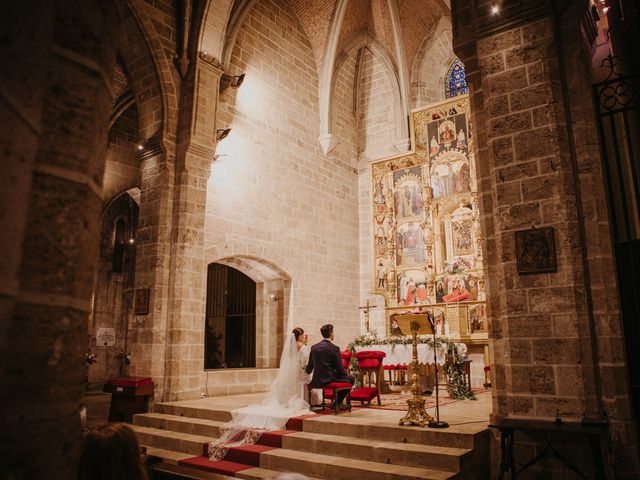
417	414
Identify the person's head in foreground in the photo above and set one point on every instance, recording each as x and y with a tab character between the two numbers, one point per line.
111	451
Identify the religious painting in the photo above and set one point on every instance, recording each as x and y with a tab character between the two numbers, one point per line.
459	236
455	288
447	131
450	175
409	244
408	193
536	251
412	287
478	318
141	302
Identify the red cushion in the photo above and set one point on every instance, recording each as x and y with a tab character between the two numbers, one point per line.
328	393
389	367
370	354
129	381
369	363
338	385
401	367
365	394
346	355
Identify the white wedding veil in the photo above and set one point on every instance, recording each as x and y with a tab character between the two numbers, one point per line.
284	400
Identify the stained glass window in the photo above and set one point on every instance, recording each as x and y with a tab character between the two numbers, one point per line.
455	83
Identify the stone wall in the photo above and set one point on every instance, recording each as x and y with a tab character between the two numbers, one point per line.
271	195
555	337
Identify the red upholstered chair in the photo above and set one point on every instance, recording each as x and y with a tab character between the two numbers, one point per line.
370	365
345	355
391	369
330	391
401	372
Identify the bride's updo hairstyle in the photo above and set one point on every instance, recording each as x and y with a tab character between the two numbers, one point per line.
297	332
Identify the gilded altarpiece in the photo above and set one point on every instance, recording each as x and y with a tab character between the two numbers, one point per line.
427	242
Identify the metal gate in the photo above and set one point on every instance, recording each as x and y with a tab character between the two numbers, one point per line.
230	330
618	110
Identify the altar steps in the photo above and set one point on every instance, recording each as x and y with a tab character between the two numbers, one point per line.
366	443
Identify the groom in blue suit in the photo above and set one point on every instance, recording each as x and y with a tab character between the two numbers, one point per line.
326	364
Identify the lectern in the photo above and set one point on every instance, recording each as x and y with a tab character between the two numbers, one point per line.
130	395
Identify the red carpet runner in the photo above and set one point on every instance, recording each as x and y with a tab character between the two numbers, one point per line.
248	456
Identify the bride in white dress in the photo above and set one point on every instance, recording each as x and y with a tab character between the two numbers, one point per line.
286	399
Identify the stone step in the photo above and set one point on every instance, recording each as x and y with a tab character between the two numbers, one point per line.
167	456
180	410
394	453
170	440
340	468
349	425
262	473
384	430
175	423
428	456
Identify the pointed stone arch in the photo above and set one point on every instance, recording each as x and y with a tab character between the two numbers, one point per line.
430	64
379	52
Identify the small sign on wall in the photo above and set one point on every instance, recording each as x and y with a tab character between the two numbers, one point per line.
536	251
105	337
141	302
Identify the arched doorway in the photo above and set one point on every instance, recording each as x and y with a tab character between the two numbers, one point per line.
112	309
230	328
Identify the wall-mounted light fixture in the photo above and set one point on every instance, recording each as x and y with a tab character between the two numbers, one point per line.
495	9
222	133
233	81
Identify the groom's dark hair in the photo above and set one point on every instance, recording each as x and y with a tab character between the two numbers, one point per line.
326	330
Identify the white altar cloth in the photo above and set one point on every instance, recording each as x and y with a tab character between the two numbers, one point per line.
402	354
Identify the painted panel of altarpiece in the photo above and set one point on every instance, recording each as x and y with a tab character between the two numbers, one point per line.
427	243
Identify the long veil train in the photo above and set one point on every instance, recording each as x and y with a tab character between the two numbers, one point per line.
284	400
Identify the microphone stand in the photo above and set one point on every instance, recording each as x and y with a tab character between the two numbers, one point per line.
436	423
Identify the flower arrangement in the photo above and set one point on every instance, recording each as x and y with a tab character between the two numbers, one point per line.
458	265
90	359
125	358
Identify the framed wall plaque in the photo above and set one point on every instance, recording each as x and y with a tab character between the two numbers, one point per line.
536	251
141	302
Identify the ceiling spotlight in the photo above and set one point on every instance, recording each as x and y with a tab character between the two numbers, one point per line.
222	133
231	81
495	9
140	147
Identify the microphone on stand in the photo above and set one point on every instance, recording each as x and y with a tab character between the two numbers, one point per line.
435	423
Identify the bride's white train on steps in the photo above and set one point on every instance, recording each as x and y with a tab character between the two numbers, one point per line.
284	400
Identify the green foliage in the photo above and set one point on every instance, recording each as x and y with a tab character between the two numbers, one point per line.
456	384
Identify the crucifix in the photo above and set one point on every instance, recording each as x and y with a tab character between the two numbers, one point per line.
367	308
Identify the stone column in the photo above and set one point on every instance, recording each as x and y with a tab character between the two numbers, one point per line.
147	334
538	165
55	102
188	272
